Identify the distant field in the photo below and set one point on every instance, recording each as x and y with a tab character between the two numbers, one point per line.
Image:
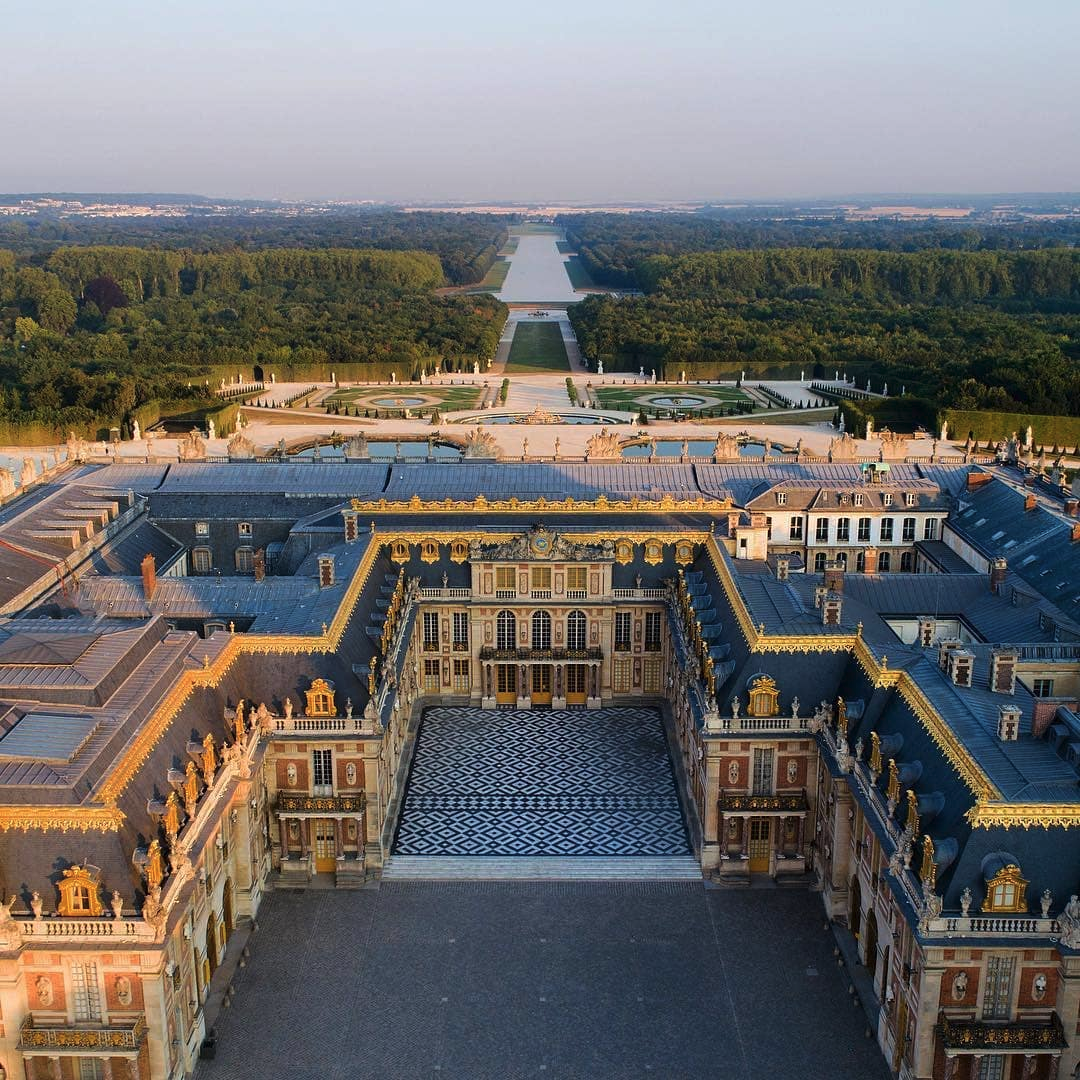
537	346
578	275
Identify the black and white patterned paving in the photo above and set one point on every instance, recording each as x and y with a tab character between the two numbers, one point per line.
541	783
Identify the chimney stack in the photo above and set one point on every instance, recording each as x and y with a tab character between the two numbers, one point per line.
1008	723
961	663
831	609
870	560
1003	671
258	564
149	576
351	530
326	571
998	569
1072	507
927	630
834	577
1030	502
781	568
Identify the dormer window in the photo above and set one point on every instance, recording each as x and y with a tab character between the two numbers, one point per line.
909	498
858	498
244	528
80	892
202	528
886	498
1006	891
781	498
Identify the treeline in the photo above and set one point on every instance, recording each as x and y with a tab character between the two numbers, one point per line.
614	246
962	356
465	244
923	277
98	332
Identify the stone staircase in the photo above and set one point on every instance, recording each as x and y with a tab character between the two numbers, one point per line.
531	868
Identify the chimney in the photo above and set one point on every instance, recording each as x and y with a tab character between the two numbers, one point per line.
733	519
946	646
781	568
326	571
998	569
258	564
1075	532
927	630
820	592
758	519
831	609
1003	671
977	479
1008	723
961	662
351	531
870	560
149	576
834	577
1030	502
1072	507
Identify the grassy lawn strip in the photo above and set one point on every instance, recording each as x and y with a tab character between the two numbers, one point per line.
578	275
537	346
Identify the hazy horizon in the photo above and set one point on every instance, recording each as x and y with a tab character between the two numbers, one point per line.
485	103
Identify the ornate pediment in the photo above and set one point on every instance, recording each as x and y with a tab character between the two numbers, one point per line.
541	543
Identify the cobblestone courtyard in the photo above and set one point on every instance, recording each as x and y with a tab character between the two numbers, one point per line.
495	981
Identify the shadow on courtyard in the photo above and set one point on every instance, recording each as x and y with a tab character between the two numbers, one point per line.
572	980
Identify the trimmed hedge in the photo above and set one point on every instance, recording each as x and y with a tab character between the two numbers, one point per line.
1046	430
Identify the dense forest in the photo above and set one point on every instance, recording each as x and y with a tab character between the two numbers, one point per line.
971	330
93	333
614	246
466	244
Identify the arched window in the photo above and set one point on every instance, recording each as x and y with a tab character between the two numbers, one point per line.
884	562
860	562
245	560
820	559
575	630
905	562
505	630
541	630
841	559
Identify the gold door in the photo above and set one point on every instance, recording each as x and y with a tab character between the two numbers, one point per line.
576	675
541	684
325	846
506	684
760	835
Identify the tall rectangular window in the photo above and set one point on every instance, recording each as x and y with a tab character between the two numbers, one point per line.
930	529
1042	687
622	631
431	673
652	631
763	771
431	631
651	675
84	988
821	532
541	579
795	529
909	530
864	530
577	582
621	681
887	529
462	680
505	581
322	774
461	631
997	997
843	530
200	560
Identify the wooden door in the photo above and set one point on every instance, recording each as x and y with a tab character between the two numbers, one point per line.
506	684
541	684
576	682
325	845
760	837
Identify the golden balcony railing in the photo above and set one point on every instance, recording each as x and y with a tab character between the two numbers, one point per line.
971	1036
118	1037
296	803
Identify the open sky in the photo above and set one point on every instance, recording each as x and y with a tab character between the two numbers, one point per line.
594	100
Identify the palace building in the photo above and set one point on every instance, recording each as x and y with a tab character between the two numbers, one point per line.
221	679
